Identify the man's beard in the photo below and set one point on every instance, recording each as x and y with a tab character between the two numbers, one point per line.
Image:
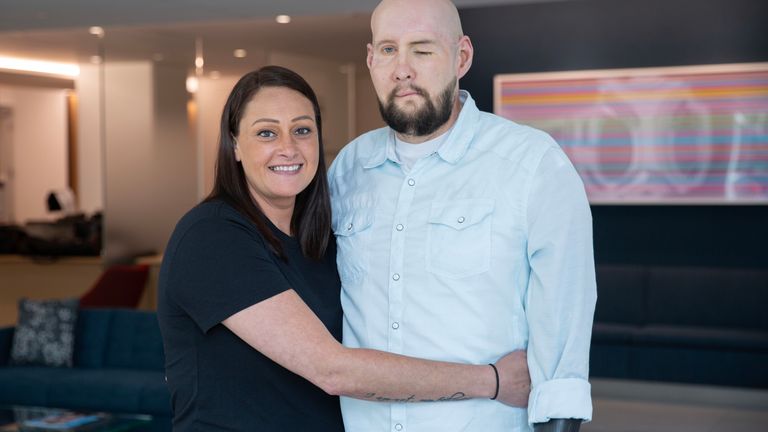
425	120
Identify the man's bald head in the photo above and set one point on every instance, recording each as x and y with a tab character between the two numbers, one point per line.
430	16
416	57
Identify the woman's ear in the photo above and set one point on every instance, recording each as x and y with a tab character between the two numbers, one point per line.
237	150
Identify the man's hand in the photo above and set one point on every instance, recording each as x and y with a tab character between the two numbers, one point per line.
514	379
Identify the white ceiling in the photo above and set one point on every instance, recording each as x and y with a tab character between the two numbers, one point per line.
49	14
145	29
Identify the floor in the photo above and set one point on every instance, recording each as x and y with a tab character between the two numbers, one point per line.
634	406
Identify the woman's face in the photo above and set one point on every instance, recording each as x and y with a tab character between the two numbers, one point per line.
278	146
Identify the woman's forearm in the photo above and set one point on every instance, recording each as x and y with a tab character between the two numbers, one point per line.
284	329
386	377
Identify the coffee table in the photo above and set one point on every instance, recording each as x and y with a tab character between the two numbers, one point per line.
43	419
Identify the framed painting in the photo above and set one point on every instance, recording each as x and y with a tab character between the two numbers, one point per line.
671	135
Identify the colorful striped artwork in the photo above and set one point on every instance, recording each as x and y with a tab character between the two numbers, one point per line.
693	134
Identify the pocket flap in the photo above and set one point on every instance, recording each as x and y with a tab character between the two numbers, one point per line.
460	214
353	222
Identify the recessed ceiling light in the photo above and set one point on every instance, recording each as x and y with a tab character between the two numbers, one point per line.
240	53
192	84
96	31
283	19
199	62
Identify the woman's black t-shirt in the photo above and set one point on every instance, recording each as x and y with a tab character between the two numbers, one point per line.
217	264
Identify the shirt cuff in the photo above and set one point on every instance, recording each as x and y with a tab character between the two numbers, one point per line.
560	399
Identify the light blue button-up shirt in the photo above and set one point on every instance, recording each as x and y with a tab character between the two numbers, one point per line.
483	248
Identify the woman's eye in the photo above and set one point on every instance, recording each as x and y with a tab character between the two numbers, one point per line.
265	134
388	50
303	131
423	52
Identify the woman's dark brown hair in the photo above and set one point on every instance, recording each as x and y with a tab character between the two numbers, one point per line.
311	221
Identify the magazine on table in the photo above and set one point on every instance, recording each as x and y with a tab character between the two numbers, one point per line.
66	421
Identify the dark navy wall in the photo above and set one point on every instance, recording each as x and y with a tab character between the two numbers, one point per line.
601	34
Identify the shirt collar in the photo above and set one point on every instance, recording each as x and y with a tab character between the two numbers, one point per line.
462	133
452	149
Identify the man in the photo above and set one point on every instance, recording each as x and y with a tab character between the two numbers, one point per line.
461	236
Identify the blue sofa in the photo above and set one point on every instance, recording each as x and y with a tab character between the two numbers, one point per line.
681	324
118	367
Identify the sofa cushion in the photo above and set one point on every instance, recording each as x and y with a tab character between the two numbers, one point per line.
45	333
718	297
700	366
620	294
6	337
119	338
27	385
91	337
721	339
134	341
115	390
613	333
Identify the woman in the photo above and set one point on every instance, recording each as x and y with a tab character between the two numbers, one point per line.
249	294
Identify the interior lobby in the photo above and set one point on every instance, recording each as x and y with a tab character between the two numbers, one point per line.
109	121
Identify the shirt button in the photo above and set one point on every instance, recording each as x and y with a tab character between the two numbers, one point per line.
395	325
399	227
460	219
349	227
396	277
411	182
398	427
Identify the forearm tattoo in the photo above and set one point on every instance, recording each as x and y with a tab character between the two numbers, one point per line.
412	398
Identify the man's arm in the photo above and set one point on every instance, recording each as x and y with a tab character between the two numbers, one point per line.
561	294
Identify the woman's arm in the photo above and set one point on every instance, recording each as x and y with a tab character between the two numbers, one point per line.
284	329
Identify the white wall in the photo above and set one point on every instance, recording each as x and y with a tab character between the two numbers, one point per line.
39	141
150	159
6	164
90	175
368	117
210	99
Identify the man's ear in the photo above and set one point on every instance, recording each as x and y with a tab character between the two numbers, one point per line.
466	53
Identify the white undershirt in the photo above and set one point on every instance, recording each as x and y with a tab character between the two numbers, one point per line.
409	153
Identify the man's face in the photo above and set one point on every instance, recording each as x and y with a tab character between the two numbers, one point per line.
414	67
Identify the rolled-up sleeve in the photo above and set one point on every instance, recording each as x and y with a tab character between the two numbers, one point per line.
561	294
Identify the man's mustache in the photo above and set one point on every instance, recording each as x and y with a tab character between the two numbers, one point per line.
418	90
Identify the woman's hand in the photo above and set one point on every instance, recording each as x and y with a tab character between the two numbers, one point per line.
514	379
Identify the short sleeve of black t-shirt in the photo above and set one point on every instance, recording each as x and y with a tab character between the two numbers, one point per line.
220	266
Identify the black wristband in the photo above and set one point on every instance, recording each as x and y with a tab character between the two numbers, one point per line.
496	373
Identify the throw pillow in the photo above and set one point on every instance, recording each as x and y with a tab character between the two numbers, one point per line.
45	333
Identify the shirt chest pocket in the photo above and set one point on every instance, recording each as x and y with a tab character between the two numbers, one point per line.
459	237
352	235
